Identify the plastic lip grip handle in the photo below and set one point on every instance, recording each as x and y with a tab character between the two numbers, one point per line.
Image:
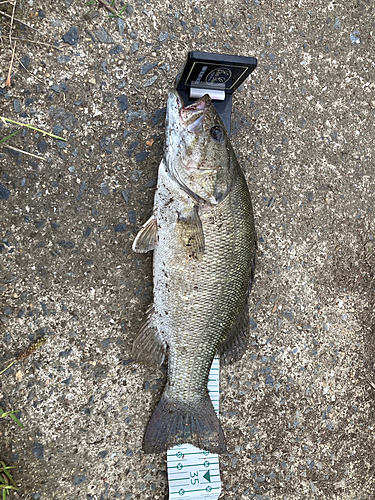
218	75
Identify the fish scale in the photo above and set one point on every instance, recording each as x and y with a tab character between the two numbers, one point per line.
202	234
194	323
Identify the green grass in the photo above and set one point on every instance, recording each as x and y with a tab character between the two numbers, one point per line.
4	139
27	126
7	483
6	480
10	414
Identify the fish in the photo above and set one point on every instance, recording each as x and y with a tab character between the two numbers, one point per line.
202	234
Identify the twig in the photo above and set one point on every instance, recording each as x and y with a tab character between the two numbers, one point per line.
25	152
8	82
22	22
30	350
11	22
27	352
24	67
37	42
110	8
32	127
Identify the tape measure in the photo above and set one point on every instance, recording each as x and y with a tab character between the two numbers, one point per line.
194	474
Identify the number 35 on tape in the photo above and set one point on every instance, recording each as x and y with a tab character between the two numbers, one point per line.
193	473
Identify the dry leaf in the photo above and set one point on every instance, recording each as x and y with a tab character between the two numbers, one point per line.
150	142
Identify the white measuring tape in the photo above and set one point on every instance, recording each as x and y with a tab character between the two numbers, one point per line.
194	473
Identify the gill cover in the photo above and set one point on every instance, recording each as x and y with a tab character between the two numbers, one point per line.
198	152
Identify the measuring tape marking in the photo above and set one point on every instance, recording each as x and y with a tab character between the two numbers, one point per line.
192	473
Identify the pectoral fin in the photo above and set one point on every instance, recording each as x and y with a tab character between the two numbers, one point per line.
147	236
190	232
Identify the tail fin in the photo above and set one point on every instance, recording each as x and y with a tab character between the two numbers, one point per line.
175	422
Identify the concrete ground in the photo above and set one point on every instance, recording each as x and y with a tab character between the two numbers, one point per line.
298	409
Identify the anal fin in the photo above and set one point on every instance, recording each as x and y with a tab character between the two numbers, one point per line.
148	345
147	236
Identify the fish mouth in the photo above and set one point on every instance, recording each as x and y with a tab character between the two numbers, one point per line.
198	105
183	117
182	123
192	116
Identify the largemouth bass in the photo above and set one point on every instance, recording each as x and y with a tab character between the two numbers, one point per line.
203	238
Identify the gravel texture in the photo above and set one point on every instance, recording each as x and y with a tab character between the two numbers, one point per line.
298	409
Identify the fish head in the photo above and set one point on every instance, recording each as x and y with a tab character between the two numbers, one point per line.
198	151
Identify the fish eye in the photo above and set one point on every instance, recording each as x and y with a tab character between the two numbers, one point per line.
217	133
